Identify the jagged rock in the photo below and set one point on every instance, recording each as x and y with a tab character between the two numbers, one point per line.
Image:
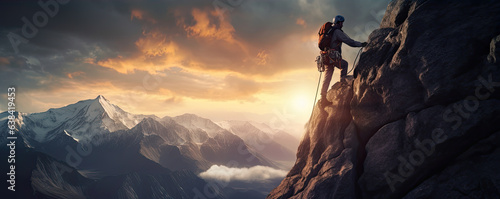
327	156
423	103
426	59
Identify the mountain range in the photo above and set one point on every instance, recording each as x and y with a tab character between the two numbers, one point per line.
104	145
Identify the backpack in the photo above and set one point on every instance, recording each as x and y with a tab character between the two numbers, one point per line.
325	36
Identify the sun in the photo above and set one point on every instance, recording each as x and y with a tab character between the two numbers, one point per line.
301	103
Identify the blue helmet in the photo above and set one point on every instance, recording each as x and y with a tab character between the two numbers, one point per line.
338	18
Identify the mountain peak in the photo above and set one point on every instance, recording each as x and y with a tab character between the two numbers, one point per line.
101	97
190	116
148	121
103	101
193	122
101	105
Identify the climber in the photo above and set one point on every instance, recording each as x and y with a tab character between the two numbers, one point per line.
330	43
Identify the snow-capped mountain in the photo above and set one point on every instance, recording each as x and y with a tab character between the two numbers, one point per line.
81	120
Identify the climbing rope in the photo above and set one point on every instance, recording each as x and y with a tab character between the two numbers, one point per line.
317	88
354	65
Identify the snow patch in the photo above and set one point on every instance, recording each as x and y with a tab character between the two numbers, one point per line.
77	140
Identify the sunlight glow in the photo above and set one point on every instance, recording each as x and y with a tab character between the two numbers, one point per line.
301	103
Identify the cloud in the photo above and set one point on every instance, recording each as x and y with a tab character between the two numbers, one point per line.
173	100
75	74
194	30
211	87
252	174
115	47
263	57
155	53
205	27
301	22
141	15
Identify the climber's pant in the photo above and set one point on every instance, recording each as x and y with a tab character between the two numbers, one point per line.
329	73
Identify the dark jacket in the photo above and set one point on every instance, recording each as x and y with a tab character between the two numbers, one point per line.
340	37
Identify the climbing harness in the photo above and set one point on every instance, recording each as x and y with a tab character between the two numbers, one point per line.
324	59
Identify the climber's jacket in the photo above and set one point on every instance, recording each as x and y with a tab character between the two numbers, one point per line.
340	37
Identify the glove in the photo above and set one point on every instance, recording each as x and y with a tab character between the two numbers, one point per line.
364	44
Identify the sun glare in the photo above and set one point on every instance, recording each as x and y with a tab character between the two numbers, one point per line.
301	103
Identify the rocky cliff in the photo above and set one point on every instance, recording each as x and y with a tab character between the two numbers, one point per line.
420	119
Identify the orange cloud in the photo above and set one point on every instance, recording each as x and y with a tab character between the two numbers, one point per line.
204	28
212	26
157	53
141	15
262	57
117	64
155	44
213	47
75	74
301	22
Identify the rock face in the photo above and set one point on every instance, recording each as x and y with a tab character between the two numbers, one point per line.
419	119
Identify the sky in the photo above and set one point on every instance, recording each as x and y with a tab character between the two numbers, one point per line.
220	59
